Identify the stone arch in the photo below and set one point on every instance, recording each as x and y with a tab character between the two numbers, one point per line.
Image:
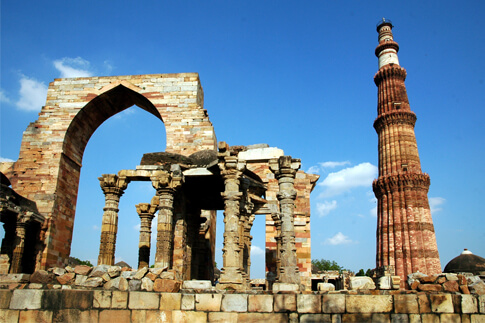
50	158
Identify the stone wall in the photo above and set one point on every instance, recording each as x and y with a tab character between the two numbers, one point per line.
40	305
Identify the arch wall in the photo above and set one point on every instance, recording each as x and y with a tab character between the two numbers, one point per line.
48	168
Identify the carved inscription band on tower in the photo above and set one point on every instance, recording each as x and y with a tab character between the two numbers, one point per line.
406	241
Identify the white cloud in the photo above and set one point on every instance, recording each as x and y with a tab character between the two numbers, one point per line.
328	164
326	207
337	239
32	94
6	160
256	251
344	180
434	203
73	67
3	97
137	227
95	228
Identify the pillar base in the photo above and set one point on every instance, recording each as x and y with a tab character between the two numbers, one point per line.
285	287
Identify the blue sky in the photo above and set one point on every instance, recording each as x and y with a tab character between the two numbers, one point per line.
295	75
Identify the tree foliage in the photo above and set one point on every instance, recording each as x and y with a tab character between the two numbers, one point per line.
323	265
78	261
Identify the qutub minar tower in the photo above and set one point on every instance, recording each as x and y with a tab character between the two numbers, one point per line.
406	241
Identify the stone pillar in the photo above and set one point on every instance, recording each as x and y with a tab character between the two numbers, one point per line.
285	169
113	188
18	250
146	212
166	184
231	273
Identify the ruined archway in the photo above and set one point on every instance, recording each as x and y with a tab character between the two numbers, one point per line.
50	158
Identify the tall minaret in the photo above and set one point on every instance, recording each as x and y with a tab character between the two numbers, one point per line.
406	240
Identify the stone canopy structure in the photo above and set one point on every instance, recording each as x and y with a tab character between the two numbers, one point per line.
192	179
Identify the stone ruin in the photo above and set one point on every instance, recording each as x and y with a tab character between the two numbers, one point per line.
192	179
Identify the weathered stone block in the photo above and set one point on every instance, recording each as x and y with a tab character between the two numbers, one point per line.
101	299
481	304
356	318
9	316
26	299
115	316
114	271
146	284
188	302
189	316
309	303
79	299
384	318
451	286
260	303
66	278
284	287
369	303
119	299
284	302
406	304
430	318
75	315
222	317
99	271
424	303
325	287
119	283
93	282
469	304
430	287
208	302
477	318
82	270
143	301
477	288
80	279
41	277
134	285
333	303
166	285
14	278
170	301
35	316
262	317
324	318
235	303
5	297
441	303
361	282
140	273
197	284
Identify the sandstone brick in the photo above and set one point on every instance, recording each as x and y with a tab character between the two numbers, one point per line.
234	303
75	315
143	300
26	299
82	270
188	302
477	318
119	299
384	318
369	303
356	318
37	316
430	318
9	316
5	297
424	303
333	303
208	302
262	317
78	299
166	285
66	278
284	302
451	286
428	279
450	317
41	277
170	301
189	316
260	303
324	318
481	304
469	304
414	318
309	303
441	303
430	287
223	317
406	304
101	299
115	316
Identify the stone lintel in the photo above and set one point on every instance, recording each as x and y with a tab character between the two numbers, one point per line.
285	287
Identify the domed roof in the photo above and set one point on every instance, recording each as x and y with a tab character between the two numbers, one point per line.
467	262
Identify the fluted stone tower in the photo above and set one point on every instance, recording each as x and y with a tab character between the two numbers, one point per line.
406	241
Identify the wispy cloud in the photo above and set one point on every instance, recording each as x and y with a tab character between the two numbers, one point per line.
326	207
95	228
434	204
256	251
321	167
3	97
338	239
32	94
73	67
342	181
6	160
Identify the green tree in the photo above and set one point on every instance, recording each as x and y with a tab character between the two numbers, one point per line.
360	272
323	264
81	262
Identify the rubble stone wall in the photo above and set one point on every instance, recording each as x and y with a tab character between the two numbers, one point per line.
38	305
48	168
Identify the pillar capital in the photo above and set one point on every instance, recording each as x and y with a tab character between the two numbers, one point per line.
167	181
146	209
113	184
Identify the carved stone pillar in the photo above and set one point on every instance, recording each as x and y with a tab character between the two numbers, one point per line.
146	211
277	224
231	273
285	169
113	188
166	184
18	250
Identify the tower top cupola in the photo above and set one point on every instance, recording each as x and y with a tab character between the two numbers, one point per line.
387	49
